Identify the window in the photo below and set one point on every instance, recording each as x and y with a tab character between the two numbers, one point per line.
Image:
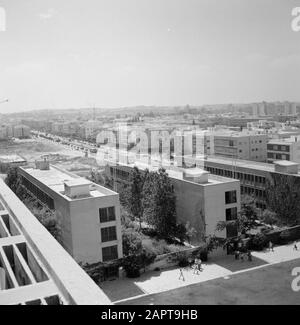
109	253
230	197
231	214
107	214
108	234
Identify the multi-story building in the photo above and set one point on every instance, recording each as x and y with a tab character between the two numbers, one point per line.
241	145
34	268
88	214
284	149
6	131
253	176
202	199
21	131
238	145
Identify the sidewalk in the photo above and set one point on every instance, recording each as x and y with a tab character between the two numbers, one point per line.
218	267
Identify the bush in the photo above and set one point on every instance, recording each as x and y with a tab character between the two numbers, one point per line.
203	255
183	261
285	236
258	242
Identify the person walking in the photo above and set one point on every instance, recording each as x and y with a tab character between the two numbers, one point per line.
249	256
295	246
200	265
181	276
271	246
236	255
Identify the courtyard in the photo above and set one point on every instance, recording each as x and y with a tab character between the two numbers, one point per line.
223	280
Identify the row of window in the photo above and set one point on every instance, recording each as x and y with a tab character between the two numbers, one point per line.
38	193
238	175
276	147
278	156
251	191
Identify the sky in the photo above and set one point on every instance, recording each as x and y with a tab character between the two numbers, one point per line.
118	53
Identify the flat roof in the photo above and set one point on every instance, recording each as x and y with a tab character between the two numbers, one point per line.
55	178
241	163
285	163
11	158
178	173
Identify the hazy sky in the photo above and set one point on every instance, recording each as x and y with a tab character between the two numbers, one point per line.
114	53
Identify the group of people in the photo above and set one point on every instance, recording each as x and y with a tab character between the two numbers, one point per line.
195	264
240	255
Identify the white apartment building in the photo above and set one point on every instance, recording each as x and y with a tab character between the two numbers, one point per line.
21	131
88	214
34	268
202	199
284	149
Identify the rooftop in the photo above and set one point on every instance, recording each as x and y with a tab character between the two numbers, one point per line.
12	159
56	178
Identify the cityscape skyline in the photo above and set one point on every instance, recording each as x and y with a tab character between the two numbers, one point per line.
115	54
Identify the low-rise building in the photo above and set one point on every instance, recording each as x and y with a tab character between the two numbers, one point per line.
8	161
21	131
284	149
88	214
34	268
202	199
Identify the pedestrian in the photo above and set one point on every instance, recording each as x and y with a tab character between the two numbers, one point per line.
249	256
200	265
181	276
295	246
242	257
191	262
236	255
271	246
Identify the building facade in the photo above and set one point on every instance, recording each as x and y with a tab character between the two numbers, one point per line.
34	268
88	214
202	200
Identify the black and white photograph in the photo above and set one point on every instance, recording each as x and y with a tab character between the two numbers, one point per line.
149	155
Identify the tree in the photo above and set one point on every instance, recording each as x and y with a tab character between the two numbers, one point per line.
191	232
135	194
269	217
12	179
283	198
159	203
246	218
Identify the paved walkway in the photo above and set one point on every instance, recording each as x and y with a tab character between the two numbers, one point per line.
219	267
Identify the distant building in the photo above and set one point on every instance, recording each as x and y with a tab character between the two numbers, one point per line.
253	176
284	149
21	131
7	161
34	268
88	214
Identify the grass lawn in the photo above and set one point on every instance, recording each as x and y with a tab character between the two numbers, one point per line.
267	285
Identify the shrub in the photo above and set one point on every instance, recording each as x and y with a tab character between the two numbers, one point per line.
183	261
258	242
285	236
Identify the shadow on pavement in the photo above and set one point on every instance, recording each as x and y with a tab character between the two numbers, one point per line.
233	265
